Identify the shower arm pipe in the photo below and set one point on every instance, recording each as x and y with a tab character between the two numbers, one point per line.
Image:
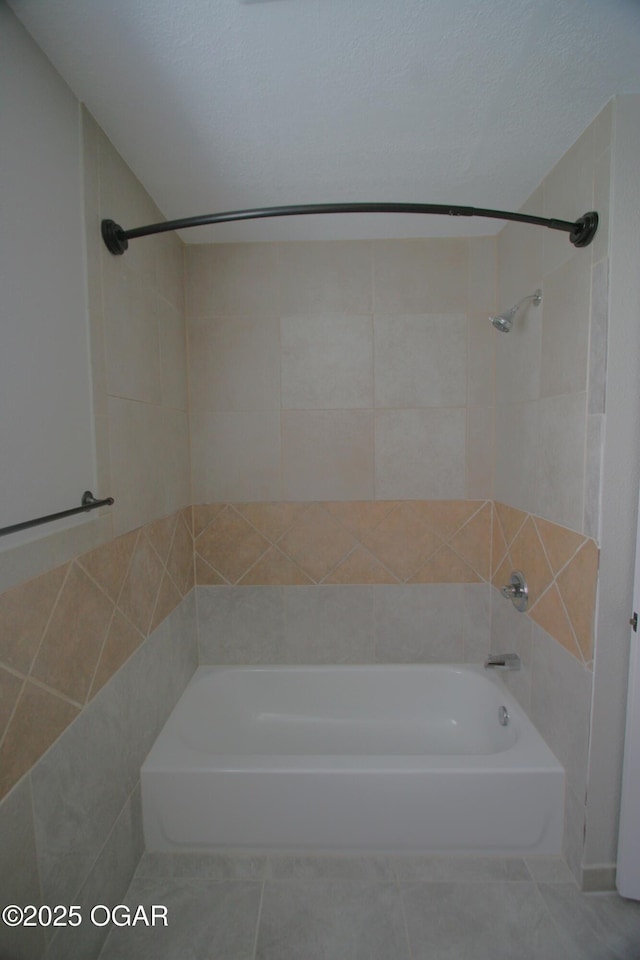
535	297
581	232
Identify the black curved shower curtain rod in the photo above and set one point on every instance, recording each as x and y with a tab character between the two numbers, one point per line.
581	232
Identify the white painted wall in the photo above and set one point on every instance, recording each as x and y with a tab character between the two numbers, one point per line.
46	422
621	474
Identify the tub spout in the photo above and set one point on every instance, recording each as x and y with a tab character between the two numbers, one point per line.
503	661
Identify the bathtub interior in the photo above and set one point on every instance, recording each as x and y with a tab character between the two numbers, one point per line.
378	711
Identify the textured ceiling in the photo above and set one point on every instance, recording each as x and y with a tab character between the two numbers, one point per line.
227	104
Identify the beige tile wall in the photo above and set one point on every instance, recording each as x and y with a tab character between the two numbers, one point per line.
550	368
381	541
412	541
341	370
549	428
139	355
561	569
65	633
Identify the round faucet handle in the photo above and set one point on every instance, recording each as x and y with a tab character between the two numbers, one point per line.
517	591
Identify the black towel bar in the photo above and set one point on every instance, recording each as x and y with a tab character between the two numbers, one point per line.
88	502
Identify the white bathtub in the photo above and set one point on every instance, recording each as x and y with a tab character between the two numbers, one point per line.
378	758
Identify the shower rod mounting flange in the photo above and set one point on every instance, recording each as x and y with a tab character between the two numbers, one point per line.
116	238
584	230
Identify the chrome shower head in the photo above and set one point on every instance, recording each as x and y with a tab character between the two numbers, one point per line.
504	321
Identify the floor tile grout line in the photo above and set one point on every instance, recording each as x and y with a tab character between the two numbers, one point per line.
563	936
258	918
404	912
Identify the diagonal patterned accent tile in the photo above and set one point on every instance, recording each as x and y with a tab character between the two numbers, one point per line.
205	575
168	599
550	614
108	564
39	718
10	687
445	517
402	542
203	514
503	573
528	555
71	646
24	614
275	569
445	566
510	520
360	566
559	543
498	544
179	561
161	533
317	542
122	640
360	517
140	589
577	585
473	541
271	519
231	545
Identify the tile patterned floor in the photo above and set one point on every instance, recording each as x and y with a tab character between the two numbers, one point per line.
372	908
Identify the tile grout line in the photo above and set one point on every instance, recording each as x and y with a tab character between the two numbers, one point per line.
398	884
8	724
259	918
116	608
50	617
562	936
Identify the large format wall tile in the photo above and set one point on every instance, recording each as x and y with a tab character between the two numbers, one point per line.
421	361
420	453
328	624
419	276
336	370
327	362
234	363
348	624
419	623
325	278
236	454
231	279
241	624
327	454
